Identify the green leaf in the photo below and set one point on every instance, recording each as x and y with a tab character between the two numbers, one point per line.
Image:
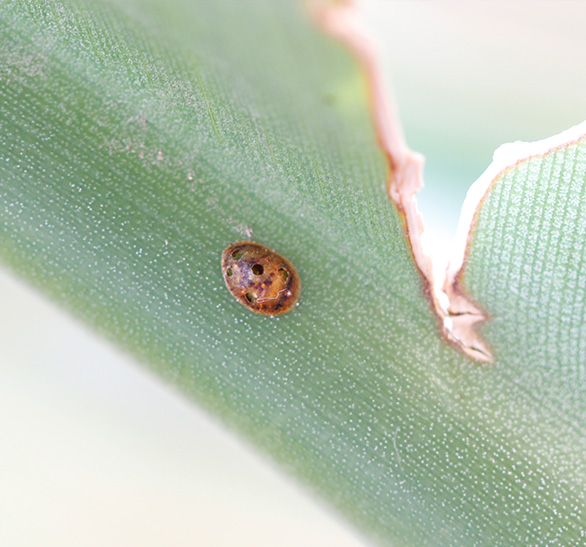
526	264
139	139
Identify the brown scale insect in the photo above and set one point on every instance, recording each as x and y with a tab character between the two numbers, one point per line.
260	279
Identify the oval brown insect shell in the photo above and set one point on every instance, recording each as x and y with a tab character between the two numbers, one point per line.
260	279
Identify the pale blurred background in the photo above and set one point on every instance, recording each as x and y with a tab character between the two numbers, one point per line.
95	451
468	76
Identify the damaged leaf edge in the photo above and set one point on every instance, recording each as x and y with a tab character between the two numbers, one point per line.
465	315
342	21
460	317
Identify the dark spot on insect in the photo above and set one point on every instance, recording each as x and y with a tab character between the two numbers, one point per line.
260	279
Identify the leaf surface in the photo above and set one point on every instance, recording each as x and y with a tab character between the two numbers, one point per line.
139	139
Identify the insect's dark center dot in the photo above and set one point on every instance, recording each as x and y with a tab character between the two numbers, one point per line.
284	274
237	255
251	297
229	272
257	269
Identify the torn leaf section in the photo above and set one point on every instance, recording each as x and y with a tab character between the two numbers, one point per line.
459	319
459	313
521	249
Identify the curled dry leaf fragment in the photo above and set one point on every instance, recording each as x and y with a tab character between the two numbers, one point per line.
260	279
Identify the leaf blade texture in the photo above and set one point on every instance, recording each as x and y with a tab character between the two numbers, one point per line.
139	140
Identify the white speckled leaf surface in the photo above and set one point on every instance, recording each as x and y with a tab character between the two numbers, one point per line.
139	139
